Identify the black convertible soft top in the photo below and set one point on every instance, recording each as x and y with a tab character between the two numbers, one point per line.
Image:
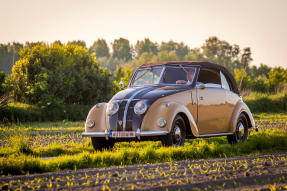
233	85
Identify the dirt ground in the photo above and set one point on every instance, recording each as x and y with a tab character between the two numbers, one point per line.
259	172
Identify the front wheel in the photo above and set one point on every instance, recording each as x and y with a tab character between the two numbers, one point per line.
241	132
177	134
100	143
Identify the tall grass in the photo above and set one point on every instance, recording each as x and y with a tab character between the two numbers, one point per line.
263	102
147	152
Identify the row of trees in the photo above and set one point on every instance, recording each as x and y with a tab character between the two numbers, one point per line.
9	54
123	52
58	73
235	59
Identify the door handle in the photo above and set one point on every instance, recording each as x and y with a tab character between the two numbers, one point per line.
200	98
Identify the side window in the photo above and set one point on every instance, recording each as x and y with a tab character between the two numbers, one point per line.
172	74
224	82
210	78
178	75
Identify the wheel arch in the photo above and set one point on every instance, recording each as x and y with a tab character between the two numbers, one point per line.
241	107
168	110
247	118
187	124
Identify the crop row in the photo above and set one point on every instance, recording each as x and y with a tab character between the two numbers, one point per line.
190	172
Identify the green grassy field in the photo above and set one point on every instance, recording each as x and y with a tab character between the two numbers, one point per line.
45	147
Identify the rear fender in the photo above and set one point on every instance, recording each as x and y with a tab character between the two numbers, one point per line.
241	107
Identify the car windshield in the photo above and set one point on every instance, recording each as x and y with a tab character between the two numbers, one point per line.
171	75
147	76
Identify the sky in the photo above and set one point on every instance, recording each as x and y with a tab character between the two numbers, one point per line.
259	24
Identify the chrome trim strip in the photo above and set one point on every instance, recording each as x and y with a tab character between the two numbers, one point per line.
153	133
214	134
97	134
93	134
128	103
128	99
140	133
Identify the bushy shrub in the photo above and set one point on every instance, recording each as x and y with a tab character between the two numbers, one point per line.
259	102
58	74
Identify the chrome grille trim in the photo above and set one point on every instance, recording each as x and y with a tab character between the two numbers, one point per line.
128	103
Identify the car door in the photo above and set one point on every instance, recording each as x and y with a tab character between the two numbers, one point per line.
211	103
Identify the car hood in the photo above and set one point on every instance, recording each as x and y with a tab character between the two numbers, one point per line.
148	92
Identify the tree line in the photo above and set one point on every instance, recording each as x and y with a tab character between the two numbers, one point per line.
57	73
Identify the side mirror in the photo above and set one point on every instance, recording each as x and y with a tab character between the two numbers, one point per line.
122	85
200	86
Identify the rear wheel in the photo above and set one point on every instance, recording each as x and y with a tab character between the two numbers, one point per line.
177	134
241	132
100	143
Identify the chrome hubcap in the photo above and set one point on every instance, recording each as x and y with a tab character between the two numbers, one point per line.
177	135
240	131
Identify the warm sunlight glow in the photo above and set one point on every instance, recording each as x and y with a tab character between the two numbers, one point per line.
259	24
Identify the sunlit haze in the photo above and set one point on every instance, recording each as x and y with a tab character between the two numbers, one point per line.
259	24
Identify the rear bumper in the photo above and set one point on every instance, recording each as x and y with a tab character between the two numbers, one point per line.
139	134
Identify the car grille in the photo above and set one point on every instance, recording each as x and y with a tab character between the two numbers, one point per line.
129	118
121	110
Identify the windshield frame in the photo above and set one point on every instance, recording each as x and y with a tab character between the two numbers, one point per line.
161	75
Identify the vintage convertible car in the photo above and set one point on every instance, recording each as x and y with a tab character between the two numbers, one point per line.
172	101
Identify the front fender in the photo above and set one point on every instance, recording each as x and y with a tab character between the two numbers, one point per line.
98	114
168	111
241	107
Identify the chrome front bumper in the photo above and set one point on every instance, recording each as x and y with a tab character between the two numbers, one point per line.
139	134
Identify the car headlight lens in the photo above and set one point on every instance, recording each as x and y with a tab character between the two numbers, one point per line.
140	108
161	122
90	123
112	108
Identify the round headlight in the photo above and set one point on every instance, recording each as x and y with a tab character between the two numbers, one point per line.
140	107
113	108
90	123
161	122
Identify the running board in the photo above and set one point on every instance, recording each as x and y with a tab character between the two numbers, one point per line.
215	134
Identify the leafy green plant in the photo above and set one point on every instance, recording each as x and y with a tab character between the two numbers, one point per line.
56	74
20	144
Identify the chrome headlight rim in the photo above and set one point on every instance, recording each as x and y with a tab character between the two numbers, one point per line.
161	122
140	107
112	108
